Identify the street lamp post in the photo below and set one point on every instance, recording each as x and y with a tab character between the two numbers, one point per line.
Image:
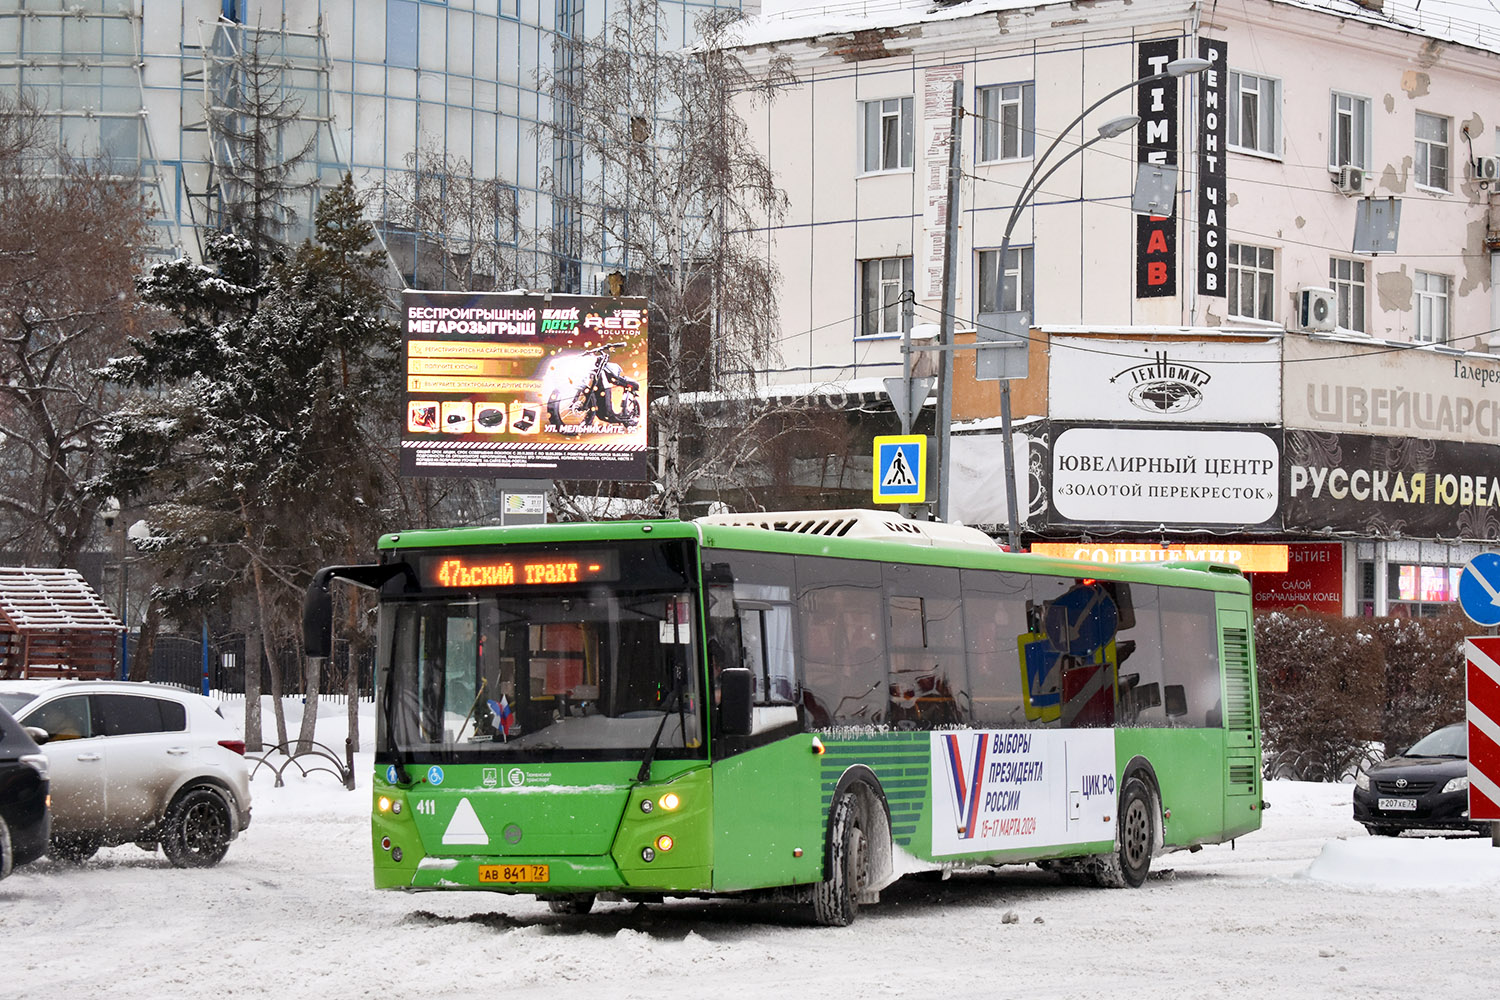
1029	188
109	513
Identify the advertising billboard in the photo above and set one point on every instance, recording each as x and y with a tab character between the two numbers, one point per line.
1204	381
524	386
1171	477
1390	486
1313	580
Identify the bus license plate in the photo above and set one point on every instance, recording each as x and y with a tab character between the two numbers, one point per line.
512	873
1397	805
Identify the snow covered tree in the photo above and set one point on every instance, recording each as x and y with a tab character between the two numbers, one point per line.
668	188
262	442
71	236
451	230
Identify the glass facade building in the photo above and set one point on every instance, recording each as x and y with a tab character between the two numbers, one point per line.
161	91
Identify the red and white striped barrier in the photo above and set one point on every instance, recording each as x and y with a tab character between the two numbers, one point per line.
1484	726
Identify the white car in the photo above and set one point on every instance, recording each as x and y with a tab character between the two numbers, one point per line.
136	762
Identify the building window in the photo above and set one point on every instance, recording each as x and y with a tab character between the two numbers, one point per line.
888	134
882	285
1431	294
1010	289
1421	591
1254	113
1347	279
1431	162
401	33
1007	122
507	212
1349	132
1252	281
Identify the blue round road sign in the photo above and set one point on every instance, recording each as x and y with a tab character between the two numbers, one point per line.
1479	589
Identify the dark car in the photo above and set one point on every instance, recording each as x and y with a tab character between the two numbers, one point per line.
25	820
1425	788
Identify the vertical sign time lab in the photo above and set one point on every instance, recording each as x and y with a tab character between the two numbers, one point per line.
1156	143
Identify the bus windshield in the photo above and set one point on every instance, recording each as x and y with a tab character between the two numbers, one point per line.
492	672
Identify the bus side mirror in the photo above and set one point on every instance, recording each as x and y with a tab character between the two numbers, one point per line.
317	614
736	700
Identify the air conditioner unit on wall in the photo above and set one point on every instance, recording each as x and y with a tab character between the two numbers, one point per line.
1487	168
1316	310
1351	180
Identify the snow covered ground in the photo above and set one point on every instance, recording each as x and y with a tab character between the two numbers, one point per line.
1308	907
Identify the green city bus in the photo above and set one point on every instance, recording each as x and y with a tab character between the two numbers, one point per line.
794	706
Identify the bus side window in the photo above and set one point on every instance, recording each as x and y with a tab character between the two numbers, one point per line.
995	613
1191	643
766	648
929	681
840	607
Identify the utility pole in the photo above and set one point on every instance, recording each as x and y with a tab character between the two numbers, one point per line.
945	336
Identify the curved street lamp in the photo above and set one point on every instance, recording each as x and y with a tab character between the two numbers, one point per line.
1114	127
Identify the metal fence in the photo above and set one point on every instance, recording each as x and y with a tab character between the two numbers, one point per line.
185	661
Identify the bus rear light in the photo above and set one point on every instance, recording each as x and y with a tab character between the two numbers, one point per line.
818	747
664	842
669	801
385	843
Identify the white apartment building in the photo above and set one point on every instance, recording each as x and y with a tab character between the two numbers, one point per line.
1313	318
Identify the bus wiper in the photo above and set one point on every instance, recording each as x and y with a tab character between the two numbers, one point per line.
672	701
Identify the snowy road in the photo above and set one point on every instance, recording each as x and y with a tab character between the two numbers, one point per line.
1295	910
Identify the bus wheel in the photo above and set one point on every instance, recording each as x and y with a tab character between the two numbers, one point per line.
1137	832
572	906
836	898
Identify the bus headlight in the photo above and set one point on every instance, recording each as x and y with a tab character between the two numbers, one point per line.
669	801
664	842
383	804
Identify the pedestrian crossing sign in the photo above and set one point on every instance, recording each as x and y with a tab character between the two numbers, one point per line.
901	468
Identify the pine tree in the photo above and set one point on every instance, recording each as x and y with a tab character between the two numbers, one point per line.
259	441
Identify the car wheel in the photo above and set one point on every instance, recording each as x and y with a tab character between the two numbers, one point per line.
7	859
1383	831
196	831
74	848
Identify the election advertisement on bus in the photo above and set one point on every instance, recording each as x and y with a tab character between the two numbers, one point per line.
995	790
524	386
